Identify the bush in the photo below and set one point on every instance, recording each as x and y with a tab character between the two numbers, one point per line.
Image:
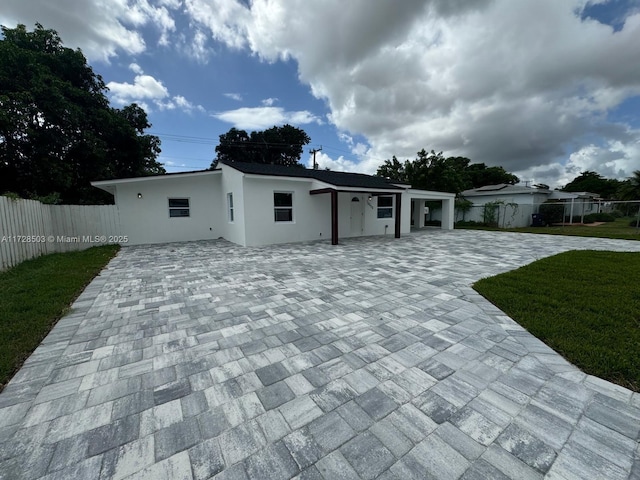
633	223
617	214
433	223
553	213
599	217
468	223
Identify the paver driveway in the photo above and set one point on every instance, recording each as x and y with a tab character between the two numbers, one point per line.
372	359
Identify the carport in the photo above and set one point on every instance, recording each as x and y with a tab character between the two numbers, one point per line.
419	198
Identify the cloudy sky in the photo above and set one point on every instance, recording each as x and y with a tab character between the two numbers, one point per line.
545	88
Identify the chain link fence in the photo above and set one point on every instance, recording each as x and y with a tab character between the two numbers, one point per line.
517	215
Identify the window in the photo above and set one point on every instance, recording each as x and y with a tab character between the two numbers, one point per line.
385	207
283	206
230	206
179	207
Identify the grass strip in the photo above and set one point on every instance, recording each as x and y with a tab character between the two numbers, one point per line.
35	294
619	229
583	304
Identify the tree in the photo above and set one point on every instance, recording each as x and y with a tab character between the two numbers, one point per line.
432	171
392	169
630	188
480	175
429	171
57	129
593	182
276	145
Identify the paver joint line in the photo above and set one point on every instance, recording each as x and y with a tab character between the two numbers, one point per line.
372	359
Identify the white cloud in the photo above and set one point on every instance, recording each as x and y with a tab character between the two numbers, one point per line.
143	87
339	164
135	68
259	118
521	84
196	47
226	20
234	96
146	89
530	85
101	28
267	102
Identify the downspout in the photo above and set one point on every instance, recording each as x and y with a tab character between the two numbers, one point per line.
398	210
334	217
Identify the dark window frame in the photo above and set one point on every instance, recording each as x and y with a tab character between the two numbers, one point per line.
179	207
283	209
385	206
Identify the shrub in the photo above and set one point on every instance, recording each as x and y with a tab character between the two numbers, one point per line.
617	214
599	217
552	212
433	223
468	223
633	223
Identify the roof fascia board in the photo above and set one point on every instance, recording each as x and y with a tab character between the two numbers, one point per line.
100	183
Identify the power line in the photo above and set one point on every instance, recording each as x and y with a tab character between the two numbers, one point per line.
213	141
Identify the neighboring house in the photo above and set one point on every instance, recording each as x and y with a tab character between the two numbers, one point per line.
577	203
516	203
256	204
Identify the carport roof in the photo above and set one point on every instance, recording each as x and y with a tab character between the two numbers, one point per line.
338	179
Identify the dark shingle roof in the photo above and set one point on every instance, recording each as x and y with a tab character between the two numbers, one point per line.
338	179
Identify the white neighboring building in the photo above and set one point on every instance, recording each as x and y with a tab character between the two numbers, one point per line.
516	203
257	204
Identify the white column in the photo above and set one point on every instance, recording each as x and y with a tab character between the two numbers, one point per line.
447	214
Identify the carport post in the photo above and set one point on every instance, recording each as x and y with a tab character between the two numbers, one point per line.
398	208
334	217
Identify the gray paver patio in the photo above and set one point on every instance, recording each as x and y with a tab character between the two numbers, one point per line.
371	359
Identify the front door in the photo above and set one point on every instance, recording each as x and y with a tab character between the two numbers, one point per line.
357	216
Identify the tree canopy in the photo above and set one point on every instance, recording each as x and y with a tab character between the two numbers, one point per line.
630	188
432	171
57	130
276	145
593	182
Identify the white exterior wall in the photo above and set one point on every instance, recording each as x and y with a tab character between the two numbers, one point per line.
371	224
232	182
311	213
510	217
146	220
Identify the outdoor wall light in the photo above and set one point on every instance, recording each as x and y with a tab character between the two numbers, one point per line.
139	195
369	201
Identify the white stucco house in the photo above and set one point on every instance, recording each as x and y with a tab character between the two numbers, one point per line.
256	204
518	202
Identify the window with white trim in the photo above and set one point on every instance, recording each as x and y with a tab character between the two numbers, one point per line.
385	207
230	206
283	206
179	207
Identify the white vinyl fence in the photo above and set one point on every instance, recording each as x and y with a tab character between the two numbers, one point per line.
29	228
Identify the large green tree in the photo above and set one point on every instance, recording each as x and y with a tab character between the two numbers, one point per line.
480	175
57	129
593	182
432	171
276	145
630	188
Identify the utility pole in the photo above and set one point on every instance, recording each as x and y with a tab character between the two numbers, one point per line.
314	151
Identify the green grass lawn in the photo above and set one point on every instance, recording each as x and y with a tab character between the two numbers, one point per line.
583	304
618	229
35	294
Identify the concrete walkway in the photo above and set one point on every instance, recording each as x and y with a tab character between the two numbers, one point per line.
372	359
